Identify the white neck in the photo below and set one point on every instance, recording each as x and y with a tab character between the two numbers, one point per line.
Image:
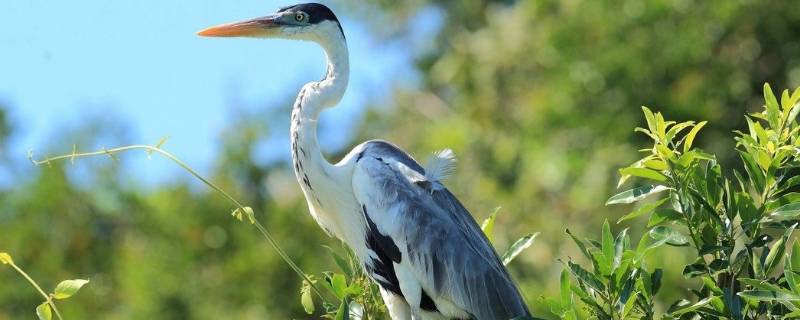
316	176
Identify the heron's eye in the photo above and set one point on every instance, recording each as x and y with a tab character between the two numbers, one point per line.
299	17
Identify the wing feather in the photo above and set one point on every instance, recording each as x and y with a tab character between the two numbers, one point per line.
437	237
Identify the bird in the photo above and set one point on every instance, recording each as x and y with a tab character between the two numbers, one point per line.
411	235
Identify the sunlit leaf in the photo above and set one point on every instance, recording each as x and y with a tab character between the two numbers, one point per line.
765	295
518	246
488	225
67	288
643	173
687	144
672	236
787	212
636	194
43	311
306	300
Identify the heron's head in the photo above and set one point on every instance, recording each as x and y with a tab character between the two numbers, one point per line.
307	21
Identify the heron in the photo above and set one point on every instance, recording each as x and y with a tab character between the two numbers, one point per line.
409	232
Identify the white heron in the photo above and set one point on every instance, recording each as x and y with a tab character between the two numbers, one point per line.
412	236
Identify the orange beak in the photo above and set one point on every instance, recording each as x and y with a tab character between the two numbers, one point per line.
258	27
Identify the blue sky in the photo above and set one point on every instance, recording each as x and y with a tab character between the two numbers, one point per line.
140	62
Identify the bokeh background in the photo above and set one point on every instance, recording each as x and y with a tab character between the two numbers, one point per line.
538	99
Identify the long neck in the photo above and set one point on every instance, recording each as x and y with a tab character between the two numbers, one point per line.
312	170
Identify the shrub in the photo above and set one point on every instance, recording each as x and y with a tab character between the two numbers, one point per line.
737	222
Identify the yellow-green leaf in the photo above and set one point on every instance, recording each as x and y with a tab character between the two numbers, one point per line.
656	164
643	173
488	225
306	299
687	144
651	121
67	288
43	311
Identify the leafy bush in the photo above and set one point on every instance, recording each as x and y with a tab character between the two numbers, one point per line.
737	222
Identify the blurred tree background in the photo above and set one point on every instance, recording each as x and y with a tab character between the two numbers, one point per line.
538	99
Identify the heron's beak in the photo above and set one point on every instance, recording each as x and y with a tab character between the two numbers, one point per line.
258	27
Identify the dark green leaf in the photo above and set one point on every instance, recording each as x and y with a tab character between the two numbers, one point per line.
344	310
694	270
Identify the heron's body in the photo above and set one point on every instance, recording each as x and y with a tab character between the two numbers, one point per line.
412	236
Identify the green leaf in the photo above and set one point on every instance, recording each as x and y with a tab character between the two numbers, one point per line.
663	215
765	295
338	284
696	269
795	256
643	173
344	310
651	121
655	164
566	293
306	299
772	106
586	277
67	288
787	212
608	245
679	309
636	194
340	262
5	258
488	225
777	250
687	144
672	237
580	244
676	129
711	285
518	246
43	311
643	209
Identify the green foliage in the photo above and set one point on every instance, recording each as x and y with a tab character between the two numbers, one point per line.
618	285
728	222
63	290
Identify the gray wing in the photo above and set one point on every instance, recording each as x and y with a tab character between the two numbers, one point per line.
435	235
